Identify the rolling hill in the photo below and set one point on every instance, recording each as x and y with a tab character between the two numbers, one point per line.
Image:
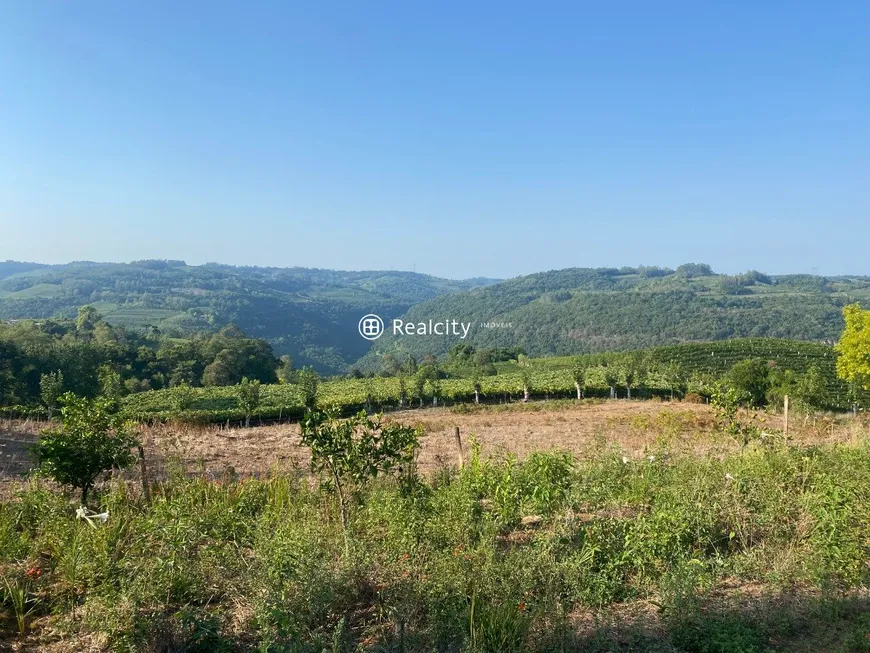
582	310
310	314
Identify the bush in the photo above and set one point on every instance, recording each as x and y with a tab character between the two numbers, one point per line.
92	440
750	379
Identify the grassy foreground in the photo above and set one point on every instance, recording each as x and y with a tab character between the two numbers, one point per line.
501	556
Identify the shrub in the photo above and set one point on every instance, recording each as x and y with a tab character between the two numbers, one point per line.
348	453
91	441
750	380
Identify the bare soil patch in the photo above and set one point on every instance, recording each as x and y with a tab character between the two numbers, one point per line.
634	428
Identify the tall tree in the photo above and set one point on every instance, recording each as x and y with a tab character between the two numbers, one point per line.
578	372
50	390
308	382
853	362
611	378
248	393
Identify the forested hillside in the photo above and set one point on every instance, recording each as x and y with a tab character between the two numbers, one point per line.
309	314
39	360
581	310
312	314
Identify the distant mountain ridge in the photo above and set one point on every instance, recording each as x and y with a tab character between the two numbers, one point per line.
584	310
310	314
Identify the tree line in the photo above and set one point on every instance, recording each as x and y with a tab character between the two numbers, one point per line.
42	359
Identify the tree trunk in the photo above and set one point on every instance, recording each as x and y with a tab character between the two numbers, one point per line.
579	391
85	488
525	393
247	420
628	392
476	397
342	507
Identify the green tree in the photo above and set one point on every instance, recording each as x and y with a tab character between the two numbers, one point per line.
674	378
184	373
726	401
286	373
308	382
403	389
91	441
811	392
111	386
221	371
349	453
437	390
751	379
248	393
782	382
418	385
611	378
460	354
483	362
181	397
50	390
390	365
86	321
578	373
853	362
476	385
525	375
633	373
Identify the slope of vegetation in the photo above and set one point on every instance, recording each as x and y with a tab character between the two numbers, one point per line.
591	310
309	314
667	370
195	379
718	357
312	315
88	356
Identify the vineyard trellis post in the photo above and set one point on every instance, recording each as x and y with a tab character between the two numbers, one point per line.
785	416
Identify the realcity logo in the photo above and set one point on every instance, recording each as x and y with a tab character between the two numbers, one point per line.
371	327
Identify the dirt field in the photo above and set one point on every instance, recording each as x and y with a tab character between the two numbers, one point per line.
635	428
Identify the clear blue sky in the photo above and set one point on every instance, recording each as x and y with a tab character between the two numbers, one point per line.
460	138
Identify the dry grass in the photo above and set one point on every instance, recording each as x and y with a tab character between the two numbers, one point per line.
633	427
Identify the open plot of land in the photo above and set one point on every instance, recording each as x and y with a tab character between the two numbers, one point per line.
752	550
635	428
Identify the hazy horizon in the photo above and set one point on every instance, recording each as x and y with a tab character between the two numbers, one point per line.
424	272
460	141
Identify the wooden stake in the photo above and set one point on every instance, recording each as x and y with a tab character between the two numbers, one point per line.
785	417
146	491
459	448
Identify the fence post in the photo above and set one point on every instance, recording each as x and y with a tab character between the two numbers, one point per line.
459	447
785	417
146	490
